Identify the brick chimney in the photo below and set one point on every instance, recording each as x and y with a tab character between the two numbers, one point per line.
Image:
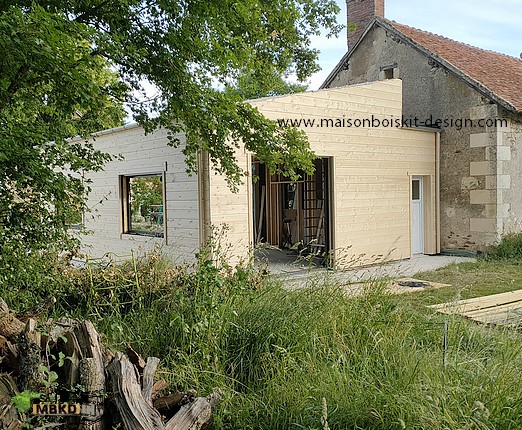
359	14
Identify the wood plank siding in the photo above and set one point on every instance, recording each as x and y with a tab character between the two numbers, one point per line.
370	172
372	168
142	154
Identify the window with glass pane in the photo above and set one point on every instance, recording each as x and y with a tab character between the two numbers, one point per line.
143	205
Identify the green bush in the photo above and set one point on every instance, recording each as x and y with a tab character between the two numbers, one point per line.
509	248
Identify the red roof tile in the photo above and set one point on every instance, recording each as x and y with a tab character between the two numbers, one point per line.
498	73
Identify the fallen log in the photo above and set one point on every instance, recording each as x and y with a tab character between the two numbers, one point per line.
8	353
3	306
10	326
71	349
195	415
158	387
166	404
29	356
93	382
89	342
67	361
135	359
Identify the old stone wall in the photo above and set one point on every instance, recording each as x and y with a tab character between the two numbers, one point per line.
480	167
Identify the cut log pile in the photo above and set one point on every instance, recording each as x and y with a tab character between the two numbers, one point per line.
65	362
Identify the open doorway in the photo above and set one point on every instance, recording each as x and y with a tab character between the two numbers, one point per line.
294	216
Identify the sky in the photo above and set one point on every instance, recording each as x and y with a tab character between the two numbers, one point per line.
489	24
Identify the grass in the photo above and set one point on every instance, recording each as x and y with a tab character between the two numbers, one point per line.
470	280
304	358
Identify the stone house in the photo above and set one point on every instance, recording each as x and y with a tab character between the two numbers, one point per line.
472	96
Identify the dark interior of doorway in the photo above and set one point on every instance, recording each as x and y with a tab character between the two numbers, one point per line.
293	216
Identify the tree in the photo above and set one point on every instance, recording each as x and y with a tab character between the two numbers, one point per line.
248	86
67	67
52	88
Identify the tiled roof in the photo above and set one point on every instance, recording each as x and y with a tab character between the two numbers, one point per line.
498	73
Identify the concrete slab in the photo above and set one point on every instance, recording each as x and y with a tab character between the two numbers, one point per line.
299	275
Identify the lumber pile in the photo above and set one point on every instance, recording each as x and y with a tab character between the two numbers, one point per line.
64	362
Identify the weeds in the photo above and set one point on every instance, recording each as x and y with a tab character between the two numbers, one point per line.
509	248
309	358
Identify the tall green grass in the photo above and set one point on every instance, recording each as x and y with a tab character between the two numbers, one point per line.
309	358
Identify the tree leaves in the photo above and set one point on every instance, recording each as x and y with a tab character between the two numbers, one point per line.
67	67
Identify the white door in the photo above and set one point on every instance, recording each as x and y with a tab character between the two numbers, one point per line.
417	216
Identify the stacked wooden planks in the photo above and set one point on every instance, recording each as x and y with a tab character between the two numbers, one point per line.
498	309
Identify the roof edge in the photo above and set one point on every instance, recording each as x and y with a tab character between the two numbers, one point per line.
123	127
388	26
347	55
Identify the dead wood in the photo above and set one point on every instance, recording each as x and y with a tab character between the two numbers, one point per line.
93	381
89	342
135	412
31	333
10	326
135	359
8	415
148	378
8	353
193	416
29	356
3	306
71	349
158	387
168	405
107	355
50	426
36	311
91	372
130	382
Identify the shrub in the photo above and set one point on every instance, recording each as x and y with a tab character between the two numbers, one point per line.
509	248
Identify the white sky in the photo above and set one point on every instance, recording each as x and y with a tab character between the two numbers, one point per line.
489	24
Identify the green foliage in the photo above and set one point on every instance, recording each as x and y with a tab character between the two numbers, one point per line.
23	400
67	67
52	88
145	191
305	358
509	248
248	86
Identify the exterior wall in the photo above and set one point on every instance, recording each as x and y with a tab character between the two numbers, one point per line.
231	212
372	168
508	181
142	154
472	204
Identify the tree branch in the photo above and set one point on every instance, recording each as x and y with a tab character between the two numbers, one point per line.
14	85
83	18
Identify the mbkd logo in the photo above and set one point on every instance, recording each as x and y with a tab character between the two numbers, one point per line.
56	409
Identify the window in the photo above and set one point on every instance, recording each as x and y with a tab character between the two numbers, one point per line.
416	189
143	205
389	72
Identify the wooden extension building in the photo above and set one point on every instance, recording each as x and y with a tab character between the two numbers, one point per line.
374	193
